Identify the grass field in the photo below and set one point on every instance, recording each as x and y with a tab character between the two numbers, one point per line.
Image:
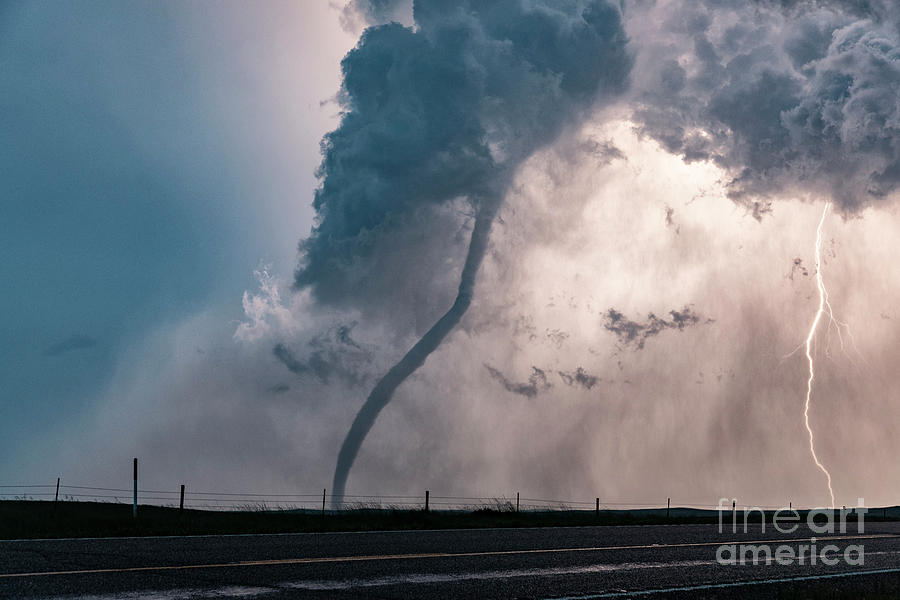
41	519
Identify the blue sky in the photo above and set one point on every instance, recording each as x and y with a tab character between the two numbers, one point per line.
147	168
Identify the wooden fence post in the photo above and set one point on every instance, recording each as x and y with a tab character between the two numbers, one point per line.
597	507
56	499
668	506
517	502
181	503
323	502
427	495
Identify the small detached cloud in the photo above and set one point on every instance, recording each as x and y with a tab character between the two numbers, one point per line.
71	343
798	268
333	353
579	377
537	382
635	333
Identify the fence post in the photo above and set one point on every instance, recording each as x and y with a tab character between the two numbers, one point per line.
427	494
517	502
181	503
323	502
56	499
597	507
134	506
668	506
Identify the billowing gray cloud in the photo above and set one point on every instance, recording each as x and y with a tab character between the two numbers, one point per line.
798	97
446	111
635	333
74	342
537	382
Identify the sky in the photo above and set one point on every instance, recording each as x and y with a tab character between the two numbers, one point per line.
564	248
134	184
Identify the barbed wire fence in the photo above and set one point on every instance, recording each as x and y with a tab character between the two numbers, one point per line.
327	503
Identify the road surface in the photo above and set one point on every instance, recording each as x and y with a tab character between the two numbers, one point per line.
577	562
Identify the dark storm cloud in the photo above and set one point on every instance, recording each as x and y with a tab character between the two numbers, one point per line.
537	382
75	342
579	377
443	112
861	8
802	97
635	333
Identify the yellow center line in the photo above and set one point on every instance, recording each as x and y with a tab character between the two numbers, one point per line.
377	557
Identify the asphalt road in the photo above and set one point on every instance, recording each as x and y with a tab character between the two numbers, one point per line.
578	562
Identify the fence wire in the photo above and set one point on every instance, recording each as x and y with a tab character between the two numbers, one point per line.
318	501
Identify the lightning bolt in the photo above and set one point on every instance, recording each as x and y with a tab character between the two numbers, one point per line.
824	305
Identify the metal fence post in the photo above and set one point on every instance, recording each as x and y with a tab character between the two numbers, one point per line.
134	506
181	503
427	495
